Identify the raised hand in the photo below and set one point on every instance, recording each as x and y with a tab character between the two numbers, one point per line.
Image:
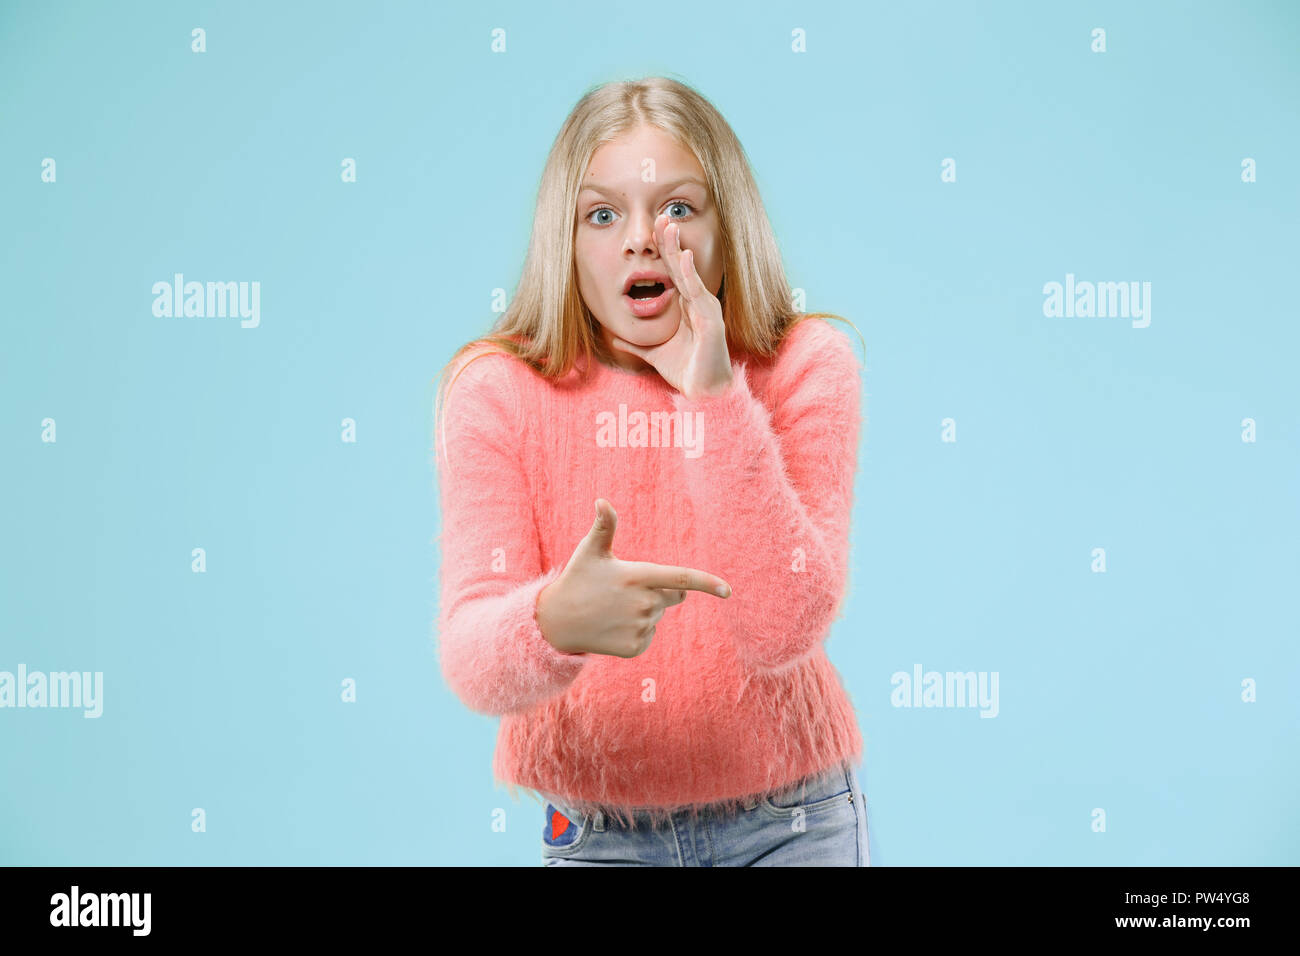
695	360
602	605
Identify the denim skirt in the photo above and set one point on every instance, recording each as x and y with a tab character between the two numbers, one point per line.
821	823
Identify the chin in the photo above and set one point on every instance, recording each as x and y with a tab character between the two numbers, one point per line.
654	331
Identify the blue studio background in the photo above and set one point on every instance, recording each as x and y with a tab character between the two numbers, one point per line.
1160	691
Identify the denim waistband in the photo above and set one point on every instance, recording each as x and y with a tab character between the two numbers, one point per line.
566	806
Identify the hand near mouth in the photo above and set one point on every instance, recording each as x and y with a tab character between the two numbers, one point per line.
695	360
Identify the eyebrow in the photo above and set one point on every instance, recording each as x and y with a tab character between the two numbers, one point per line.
605	190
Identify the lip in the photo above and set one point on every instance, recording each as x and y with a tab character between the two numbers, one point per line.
650	308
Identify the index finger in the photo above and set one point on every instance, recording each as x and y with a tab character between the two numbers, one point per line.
669	576
672	254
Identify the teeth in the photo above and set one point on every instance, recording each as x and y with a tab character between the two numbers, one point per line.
645	282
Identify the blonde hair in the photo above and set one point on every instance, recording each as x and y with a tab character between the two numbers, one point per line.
547	325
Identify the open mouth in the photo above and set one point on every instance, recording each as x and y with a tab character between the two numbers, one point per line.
646	291
649	298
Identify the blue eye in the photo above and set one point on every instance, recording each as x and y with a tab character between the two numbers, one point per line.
600	209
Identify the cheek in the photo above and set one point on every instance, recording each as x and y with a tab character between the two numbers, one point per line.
584	268
708	258
593	272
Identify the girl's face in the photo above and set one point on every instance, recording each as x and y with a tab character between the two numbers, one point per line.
617	235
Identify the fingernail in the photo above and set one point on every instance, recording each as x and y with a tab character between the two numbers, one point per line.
724	591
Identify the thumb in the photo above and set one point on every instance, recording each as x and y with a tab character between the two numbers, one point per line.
600	539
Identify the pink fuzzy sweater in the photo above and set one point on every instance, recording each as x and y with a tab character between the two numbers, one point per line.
735	698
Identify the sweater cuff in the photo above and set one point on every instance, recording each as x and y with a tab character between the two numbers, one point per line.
730	417
736	401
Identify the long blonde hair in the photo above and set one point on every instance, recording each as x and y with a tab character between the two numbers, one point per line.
547	325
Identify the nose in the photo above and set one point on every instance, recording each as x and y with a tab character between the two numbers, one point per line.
641	235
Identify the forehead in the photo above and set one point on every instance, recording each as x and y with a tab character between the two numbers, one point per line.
617	188
630	158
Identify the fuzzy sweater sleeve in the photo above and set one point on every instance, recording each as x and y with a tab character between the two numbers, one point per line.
774	493
492	653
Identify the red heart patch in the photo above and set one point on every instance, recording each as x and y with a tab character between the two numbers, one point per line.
559	823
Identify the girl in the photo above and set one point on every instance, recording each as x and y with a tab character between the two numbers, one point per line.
673	704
